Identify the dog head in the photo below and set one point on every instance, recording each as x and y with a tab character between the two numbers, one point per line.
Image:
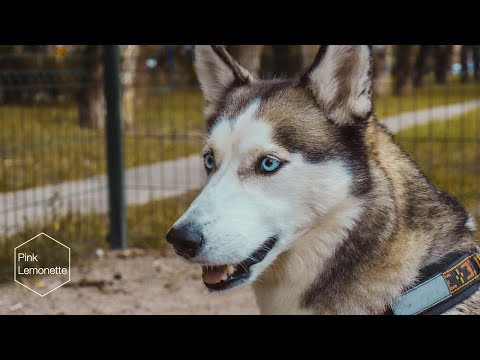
281	155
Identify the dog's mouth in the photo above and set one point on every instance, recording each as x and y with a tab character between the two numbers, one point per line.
225	277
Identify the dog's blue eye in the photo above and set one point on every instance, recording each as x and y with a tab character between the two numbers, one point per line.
209	161
270	164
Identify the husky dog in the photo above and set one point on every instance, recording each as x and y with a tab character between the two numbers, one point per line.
308	197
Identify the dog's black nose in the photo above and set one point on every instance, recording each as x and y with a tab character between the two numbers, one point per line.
186	240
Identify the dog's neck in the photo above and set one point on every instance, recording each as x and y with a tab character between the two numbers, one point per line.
360	258
342	264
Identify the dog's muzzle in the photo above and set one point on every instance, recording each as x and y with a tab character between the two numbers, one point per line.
224	277
187	240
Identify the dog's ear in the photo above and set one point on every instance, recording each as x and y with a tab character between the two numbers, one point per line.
217	71
341	80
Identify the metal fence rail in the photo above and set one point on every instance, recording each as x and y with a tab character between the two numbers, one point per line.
53	136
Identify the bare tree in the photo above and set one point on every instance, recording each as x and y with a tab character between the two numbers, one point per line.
476	61
464	62
443	62
6	64
405	57
287	60
129	57
91	100
475	52
421	64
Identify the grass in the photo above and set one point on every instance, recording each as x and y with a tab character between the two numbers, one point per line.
428	96
42	145
449	154
147	226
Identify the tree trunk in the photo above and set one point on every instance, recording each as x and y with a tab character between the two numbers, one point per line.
464	63
443	57
287	60
383	69
405	60
248	56
91	100
421	65
476	61
280	59
129	57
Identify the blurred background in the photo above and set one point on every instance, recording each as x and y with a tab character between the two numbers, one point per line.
53	159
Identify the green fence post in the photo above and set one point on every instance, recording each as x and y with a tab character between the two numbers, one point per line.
116	175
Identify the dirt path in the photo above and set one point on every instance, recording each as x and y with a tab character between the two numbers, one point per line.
134	282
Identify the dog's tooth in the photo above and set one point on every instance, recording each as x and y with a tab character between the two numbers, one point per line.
225	277
230	269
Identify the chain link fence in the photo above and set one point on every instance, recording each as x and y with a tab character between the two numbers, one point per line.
52	138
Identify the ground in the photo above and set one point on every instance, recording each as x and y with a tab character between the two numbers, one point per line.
130	282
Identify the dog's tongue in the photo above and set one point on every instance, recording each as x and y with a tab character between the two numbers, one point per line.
215	274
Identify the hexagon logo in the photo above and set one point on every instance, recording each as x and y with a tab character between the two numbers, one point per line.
42	264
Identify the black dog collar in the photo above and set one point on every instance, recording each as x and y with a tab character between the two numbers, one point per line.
441	286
